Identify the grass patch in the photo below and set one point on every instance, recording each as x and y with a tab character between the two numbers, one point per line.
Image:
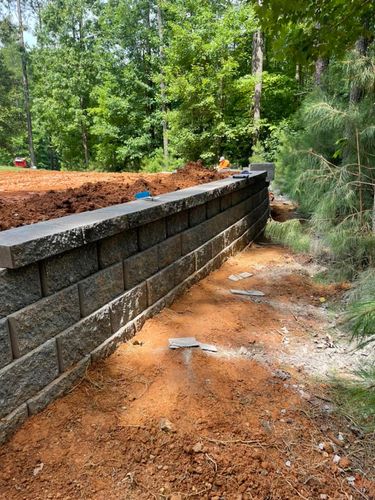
289	233
9	168
356	399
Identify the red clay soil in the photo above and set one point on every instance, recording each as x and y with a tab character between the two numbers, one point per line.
237	429
33	196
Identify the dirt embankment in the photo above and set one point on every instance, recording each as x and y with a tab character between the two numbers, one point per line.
34	196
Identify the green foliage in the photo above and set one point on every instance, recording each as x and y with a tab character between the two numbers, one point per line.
327	164
289	233
356	398
155	163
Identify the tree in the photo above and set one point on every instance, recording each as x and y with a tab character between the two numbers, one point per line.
25	83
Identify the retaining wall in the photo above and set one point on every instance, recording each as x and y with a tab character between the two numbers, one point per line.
72	289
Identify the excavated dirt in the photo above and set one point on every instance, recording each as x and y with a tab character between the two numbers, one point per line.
152	423
32	196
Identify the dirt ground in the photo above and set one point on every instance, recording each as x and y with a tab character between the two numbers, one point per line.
36	195
247	422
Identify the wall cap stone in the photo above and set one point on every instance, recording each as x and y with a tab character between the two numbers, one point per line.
28	244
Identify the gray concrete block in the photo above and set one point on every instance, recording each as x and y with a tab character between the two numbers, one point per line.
109	346
140	267
160	284
169	251
220	222
213	207
183	268
100	288
192	239
203	254
118	247
82	338
33	325
197	215
26	376
28	244
151	234
58	387
19	288
5	346
177	223
10	423
128	306
225	202
148	313
218	244
66	269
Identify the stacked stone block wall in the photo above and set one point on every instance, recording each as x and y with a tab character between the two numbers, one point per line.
72	289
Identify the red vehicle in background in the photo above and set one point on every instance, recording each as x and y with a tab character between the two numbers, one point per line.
20	162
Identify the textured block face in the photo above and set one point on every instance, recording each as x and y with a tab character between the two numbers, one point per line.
11	422
58	387
203	254
23	378
78	341
225	202
151	234
177	223
35	324
110	345
18	288
197	215
140	267
192	239
5	347
169	251
117	247
63	270
100	288
160	284
218	244
213	207
183	268
128	306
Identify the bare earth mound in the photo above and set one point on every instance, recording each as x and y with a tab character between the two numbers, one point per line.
34	196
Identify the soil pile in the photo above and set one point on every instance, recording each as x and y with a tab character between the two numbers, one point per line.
20	207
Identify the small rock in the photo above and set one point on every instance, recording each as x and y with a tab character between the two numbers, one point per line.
288	463
136	342
198	447
281	374
166	425
351	479
323	496
38	469
336	459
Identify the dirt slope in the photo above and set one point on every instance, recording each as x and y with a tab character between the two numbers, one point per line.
244	425
33	195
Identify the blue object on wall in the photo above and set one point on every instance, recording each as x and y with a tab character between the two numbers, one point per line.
142	194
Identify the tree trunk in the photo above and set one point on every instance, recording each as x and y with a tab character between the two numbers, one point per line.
257	70
361	47
320	67
85	146
164	107
25	84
